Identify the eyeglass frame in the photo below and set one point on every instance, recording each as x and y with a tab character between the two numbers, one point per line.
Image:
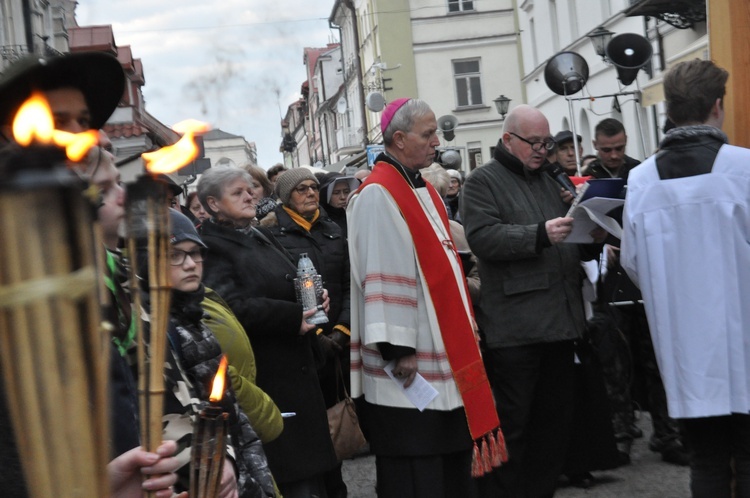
548	145
303	189
200	251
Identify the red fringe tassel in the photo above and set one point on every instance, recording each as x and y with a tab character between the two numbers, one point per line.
489	452
476	470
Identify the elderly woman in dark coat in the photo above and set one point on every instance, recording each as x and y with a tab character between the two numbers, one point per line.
254	274
302	226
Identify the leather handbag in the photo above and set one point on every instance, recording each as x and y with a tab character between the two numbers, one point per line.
343	423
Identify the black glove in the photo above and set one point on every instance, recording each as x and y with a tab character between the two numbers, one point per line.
328	347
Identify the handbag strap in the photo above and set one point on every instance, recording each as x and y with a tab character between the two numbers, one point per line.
340	378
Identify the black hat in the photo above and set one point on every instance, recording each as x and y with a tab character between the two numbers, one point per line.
171	184
182	229
98	75
566	136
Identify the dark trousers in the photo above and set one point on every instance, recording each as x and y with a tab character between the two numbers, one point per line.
635	351
534	391
437	476
719	444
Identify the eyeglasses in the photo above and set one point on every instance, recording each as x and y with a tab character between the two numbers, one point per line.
177	257
537	146
607	150
302	189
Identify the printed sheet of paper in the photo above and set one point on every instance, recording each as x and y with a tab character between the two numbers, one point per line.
591	213
420	392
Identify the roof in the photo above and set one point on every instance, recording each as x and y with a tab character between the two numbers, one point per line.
218	134
92	38
124	130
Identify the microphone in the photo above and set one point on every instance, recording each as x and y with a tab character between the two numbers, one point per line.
558	174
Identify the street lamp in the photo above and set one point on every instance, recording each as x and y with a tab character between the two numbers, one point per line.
600	38
502	103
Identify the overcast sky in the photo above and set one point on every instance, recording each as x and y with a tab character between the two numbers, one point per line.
234	63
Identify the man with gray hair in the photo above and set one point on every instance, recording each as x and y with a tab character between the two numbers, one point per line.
685	233
412	324
531	308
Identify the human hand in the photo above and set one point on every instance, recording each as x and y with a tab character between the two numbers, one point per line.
305	327
406	368
340	338
599	235
228	486
613	254
328	346
326	304
126	472
566	196
558	229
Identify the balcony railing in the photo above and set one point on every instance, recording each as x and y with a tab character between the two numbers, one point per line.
12	53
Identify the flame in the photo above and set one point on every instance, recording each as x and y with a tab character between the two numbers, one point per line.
174	157
34	122
217	390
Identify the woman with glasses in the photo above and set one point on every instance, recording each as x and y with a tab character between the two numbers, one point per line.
302	226
191	363
255	276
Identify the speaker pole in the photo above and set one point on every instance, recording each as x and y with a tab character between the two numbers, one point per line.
573	126
637	104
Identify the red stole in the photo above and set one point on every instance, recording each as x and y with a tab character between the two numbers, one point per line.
455	327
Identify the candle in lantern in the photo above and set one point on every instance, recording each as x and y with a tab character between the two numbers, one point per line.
309	288
208	447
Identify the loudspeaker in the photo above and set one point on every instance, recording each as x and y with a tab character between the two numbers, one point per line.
449	158
628	52
375	101
447	124
566	73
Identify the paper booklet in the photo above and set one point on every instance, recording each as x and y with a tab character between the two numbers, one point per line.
595	199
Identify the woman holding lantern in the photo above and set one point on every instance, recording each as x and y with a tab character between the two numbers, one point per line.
302	226
254	274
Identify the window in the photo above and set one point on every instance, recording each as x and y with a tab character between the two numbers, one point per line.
468	83
460	5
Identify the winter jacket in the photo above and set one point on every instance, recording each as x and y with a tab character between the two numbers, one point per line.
263	413
326	247
191	365
531	290
254	275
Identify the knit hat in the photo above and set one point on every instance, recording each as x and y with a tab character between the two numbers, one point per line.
286	181
390	111
182	229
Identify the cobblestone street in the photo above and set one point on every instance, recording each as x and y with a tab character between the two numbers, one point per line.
646	477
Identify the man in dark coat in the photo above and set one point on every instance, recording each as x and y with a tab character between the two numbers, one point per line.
620	305
531	304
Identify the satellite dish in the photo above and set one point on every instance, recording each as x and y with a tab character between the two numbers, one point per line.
341	106
566	73
375	101
447	124
629	52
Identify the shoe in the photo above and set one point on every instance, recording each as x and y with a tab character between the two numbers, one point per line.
623	451
677	455
635	432
583	480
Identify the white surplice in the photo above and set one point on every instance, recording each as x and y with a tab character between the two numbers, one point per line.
686	242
